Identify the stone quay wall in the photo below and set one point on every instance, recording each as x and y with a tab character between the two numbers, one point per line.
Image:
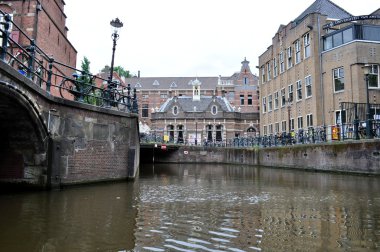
350	156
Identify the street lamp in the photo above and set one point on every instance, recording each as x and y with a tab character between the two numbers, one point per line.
116	24
368	123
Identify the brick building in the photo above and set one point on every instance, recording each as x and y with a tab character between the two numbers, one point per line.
197	118
311	69
240	90
45	22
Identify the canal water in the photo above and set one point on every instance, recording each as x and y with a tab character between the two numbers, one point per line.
199	208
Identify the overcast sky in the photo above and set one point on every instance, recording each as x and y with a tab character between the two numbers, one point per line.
184	37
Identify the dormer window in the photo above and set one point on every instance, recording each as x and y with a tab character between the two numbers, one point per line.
173	85
175	110
214	110
156	83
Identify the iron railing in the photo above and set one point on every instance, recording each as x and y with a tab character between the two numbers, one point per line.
311	135
47	73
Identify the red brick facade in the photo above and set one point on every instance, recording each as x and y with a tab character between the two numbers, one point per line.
45	22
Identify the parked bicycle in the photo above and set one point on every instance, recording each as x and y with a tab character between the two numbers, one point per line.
82	88
22	61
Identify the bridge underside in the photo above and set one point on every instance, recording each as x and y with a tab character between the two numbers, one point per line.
23	159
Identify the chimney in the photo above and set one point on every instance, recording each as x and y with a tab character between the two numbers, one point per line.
138	74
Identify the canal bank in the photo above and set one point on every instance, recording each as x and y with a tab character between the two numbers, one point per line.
361	157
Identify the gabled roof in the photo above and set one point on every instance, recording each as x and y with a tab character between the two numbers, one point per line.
165	83
187	104
324	7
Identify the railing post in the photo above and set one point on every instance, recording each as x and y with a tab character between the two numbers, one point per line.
32	54
5	32
356	122
129	106
135	108
50	73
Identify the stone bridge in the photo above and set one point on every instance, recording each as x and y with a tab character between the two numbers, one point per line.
46	141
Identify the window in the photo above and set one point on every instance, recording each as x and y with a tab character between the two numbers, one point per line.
180	133
276	100
270	128
289	55
300	122
246	81
265	130
175	110
209	130
283	98
340	117
219	131
263	74
275	68
145	96
338	79
270	104
170	130
264	104
164	96
214	110
283	126
299	90
309	120
373	77
306	44
297	47
308	86
292	124
277	127
145	110
290	93
269	67
249	100
282	63
241	99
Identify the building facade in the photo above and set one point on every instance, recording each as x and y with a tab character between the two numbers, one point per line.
201	119
312	69
241	90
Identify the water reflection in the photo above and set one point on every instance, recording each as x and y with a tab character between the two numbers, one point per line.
232	208
199	208
93	218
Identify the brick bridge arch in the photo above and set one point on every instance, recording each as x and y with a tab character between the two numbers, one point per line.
23	138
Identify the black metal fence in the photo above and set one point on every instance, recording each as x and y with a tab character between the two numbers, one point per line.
32	62
312	135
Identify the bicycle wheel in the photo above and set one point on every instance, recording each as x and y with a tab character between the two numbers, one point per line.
66	89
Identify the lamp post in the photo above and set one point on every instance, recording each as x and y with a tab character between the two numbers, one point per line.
368	123
116	24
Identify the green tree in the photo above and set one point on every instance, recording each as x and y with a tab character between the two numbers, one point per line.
121	71
92	94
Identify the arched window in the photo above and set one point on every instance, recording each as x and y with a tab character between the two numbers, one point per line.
209	129
219	133
251	131
170	130
179	133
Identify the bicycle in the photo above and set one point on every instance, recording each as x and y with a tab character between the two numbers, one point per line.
81	88
21	61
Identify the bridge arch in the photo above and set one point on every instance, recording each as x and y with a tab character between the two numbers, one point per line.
23	138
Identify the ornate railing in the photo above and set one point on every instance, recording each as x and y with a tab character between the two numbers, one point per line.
32	62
